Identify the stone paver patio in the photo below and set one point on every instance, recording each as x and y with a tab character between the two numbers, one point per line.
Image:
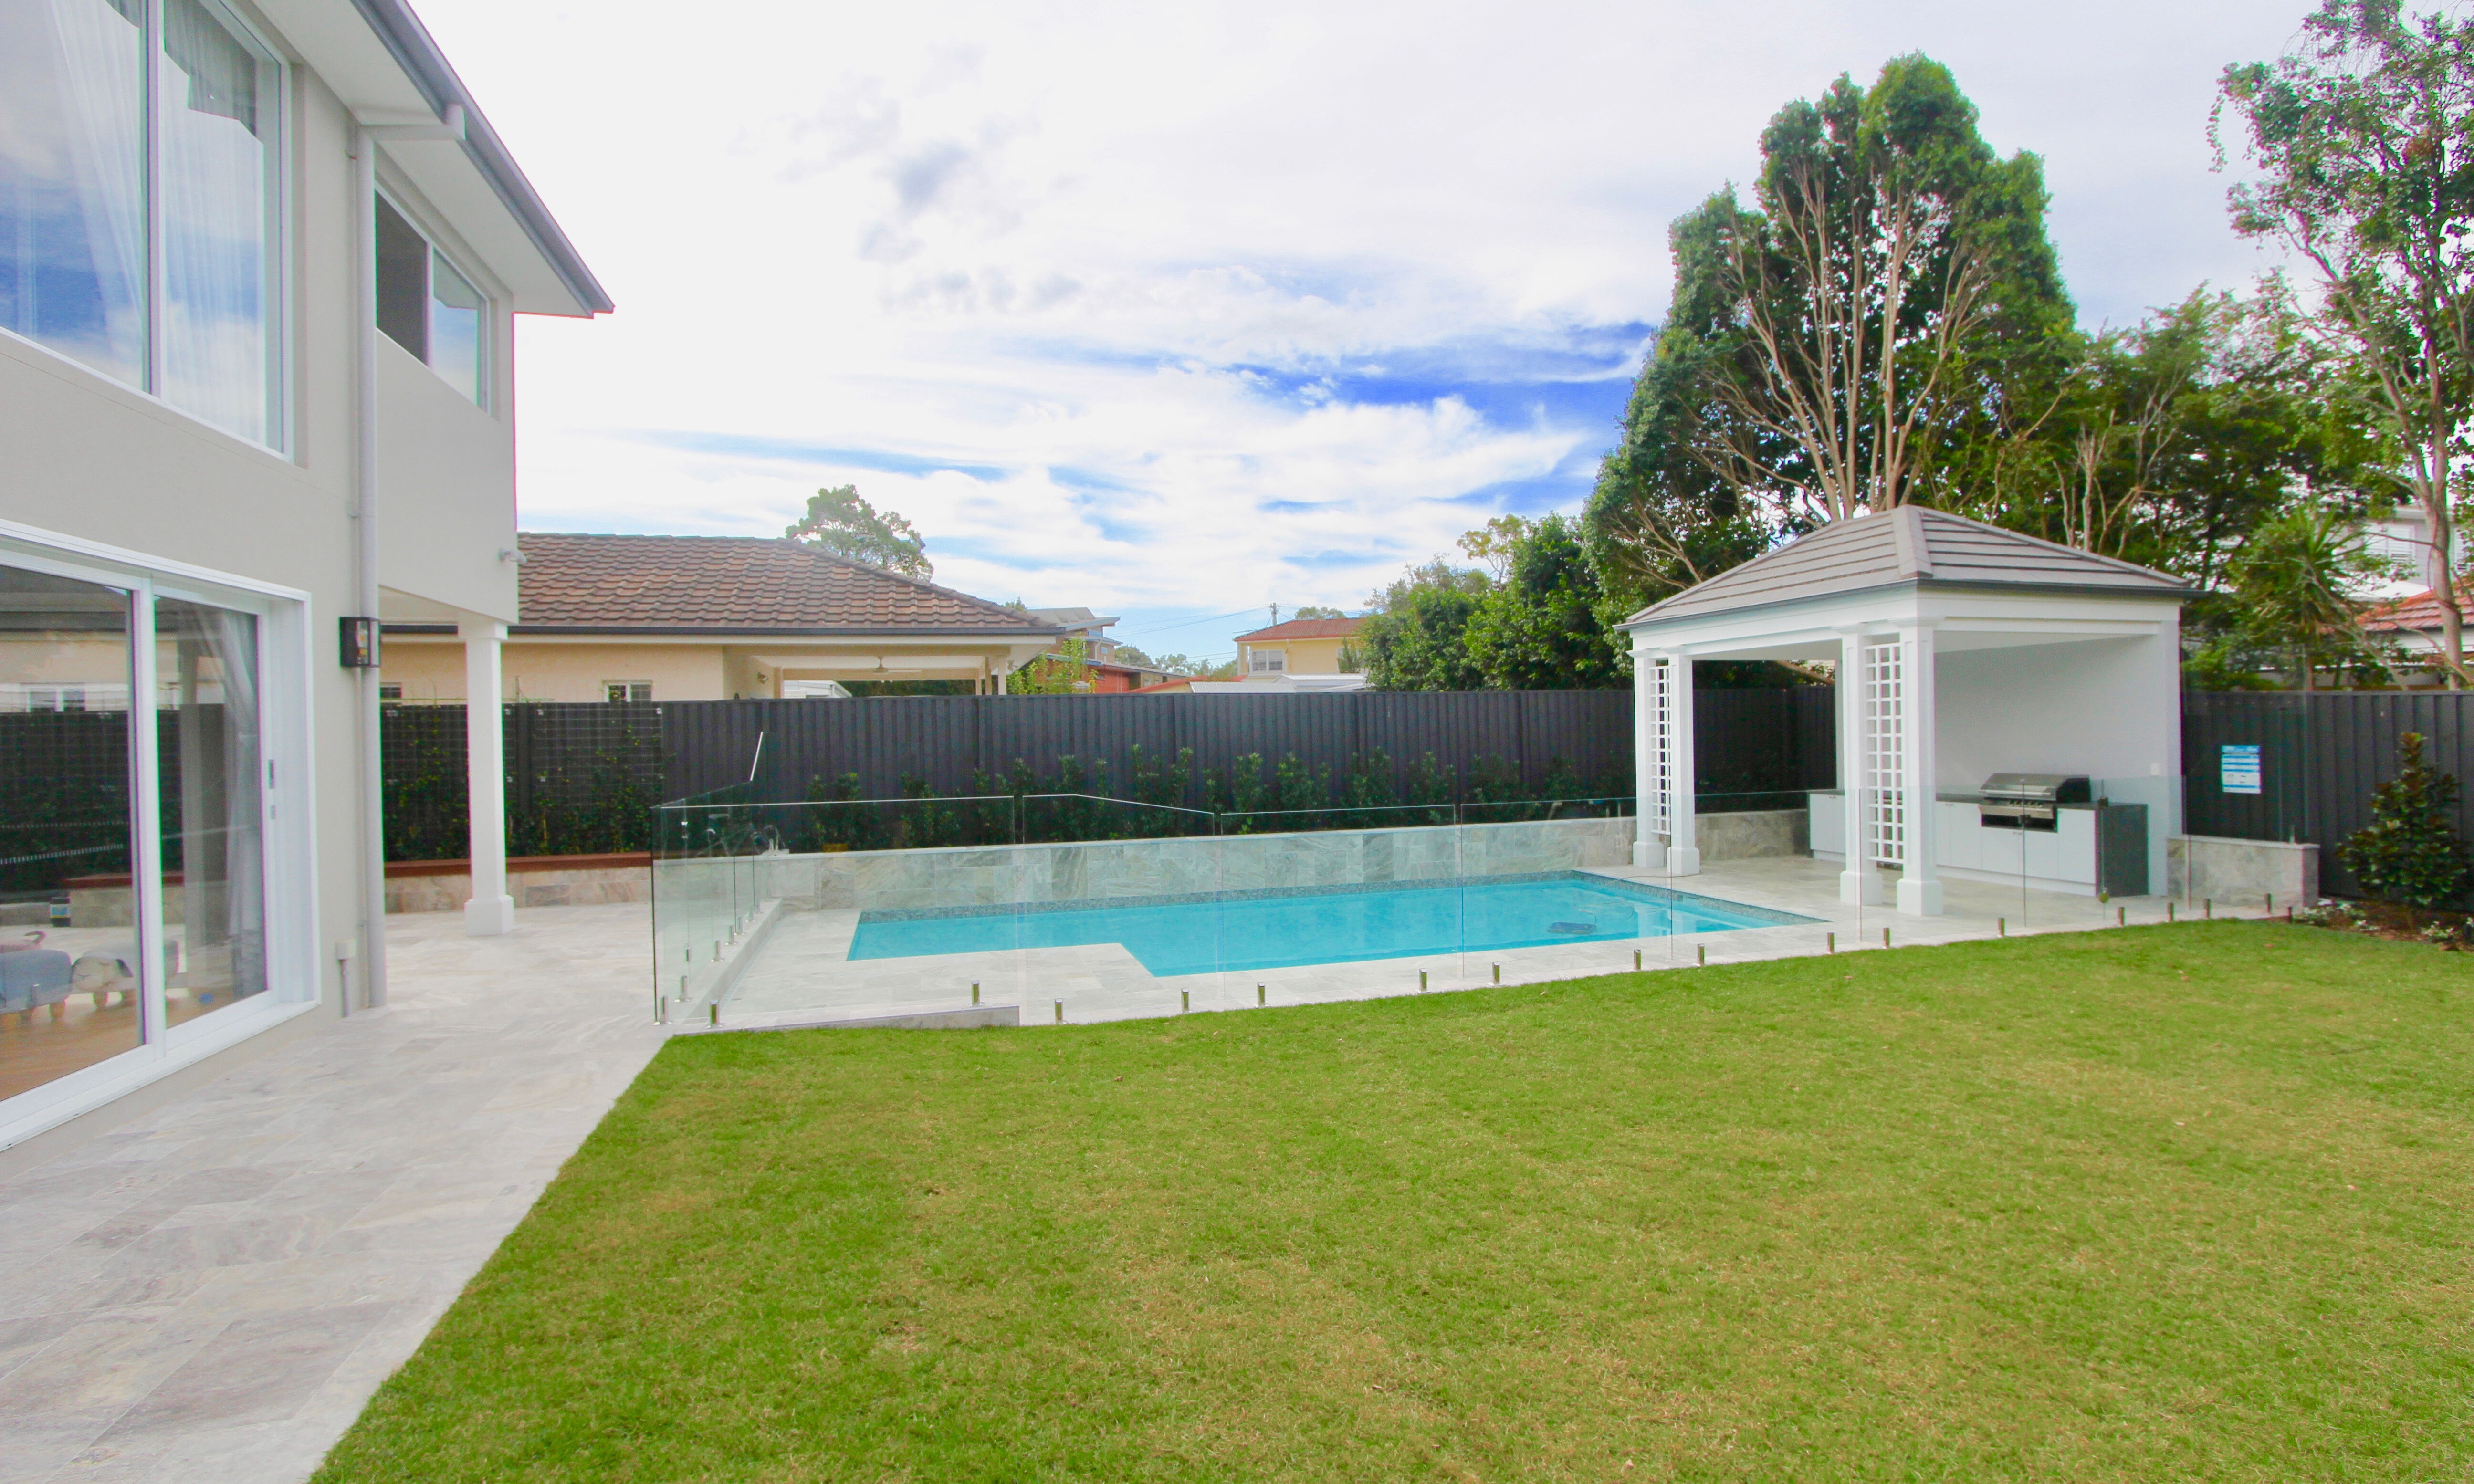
213	1291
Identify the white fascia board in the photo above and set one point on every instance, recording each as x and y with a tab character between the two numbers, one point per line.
333	39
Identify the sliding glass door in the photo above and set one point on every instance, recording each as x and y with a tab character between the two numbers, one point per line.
134	817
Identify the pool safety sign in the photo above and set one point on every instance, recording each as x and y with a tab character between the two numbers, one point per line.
2237	768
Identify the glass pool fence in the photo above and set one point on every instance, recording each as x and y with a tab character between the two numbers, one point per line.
1005	908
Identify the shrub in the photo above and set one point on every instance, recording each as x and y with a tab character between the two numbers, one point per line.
2410	853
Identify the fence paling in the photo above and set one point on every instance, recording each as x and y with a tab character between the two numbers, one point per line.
2321	757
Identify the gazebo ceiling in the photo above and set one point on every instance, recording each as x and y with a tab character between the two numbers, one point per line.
1911	545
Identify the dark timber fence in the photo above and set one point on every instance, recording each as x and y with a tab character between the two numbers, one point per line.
2320	756
1750	741
583	776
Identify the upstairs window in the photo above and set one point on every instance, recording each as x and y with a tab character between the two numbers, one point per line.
141	236
429	307
1270	662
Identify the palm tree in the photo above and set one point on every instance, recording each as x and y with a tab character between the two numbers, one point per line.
2295	579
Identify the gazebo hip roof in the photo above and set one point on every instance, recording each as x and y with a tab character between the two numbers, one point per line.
1908	544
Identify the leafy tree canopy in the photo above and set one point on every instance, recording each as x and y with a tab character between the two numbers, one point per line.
1415	637
840	522
1887	297
2364	141
1542	627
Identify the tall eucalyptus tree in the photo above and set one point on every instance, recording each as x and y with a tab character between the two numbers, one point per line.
2364	141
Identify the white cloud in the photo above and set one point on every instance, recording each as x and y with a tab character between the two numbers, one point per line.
1091	291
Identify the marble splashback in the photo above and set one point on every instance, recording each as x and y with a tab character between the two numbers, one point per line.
988	876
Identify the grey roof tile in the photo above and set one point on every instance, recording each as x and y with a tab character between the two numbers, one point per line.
1911	544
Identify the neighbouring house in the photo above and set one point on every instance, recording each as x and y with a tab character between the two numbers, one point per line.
2402	538
258	268
2412	623
718	618
1300	646
1110	675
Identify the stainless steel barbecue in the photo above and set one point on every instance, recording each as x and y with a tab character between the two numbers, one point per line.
2027	801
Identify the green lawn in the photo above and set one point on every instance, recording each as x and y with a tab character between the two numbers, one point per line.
2162	1202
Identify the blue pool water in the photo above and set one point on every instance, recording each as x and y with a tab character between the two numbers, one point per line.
1263	930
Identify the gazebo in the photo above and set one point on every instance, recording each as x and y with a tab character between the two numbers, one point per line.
1961	652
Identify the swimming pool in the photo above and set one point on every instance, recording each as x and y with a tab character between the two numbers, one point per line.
1262	930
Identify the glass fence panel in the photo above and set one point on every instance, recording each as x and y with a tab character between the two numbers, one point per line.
1075	908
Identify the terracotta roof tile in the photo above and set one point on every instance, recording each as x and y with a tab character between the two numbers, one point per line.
2422	611
1305	628
732	584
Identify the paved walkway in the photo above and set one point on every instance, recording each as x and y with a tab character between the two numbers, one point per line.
211	1292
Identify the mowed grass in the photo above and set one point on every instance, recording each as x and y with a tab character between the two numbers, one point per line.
2160	1203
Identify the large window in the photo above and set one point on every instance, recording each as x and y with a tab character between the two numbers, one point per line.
69	993
93	170
429	309
135	846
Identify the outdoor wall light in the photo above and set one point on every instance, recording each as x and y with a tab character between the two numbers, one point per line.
358	642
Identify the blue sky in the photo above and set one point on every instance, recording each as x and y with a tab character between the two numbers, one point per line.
1179	311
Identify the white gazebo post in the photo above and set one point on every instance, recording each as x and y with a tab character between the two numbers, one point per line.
489	911
1649	759
1859	884
1683	831
1920	879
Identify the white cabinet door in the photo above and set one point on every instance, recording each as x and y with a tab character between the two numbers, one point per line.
2078	836
1998	850
2044	854
1957	837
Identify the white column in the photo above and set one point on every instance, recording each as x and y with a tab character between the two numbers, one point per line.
1682	833
1858	883
491	911
1649	845
1920	883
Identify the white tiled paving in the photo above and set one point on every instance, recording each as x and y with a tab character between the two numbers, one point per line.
213	1291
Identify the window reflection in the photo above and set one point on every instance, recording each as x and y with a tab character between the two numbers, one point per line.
68	946
217	116
214	781
454	326
72	180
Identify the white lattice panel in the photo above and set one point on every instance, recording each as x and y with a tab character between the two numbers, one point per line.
1885	754
1660	793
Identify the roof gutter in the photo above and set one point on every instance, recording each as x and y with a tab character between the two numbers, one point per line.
413	49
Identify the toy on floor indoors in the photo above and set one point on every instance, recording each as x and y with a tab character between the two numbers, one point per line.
105	972
30	977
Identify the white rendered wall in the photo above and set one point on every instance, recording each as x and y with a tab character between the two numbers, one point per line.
2104	708
447	478
90	460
